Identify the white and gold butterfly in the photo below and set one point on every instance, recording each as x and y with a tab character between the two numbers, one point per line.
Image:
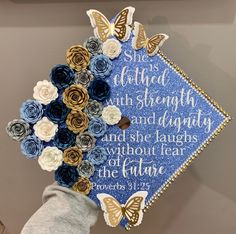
152	44
114	211
120	28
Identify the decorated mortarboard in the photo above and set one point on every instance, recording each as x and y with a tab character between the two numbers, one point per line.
119	122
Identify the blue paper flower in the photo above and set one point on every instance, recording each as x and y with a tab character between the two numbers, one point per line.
97	155
66	175
97	127
99	90
31	147
62	76
64	138
100	66
31	111
57	111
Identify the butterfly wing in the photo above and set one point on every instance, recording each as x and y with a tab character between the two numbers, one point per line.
100	24
134	208
122	24
155	42
112	209
139	39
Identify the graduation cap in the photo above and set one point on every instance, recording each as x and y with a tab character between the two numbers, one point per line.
120	122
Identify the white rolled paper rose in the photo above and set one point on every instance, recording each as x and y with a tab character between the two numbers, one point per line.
45	92
45	129
111	48
111	114
50	159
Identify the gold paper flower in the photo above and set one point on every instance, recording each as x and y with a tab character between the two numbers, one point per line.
76	97
77	57
73	156
77	121
83	185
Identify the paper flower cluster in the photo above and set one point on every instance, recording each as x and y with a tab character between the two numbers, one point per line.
59	127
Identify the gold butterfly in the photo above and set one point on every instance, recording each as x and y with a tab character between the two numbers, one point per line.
120	28
114	211
152	44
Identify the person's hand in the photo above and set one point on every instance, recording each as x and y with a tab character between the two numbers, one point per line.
63	211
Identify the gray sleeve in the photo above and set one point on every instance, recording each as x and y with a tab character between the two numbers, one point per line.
63	211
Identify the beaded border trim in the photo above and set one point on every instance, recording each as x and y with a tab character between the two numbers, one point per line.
189	161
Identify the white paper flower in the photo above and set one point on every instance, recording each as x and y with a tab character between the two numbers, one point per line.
45	130
111	114
111	48
45	92
51	158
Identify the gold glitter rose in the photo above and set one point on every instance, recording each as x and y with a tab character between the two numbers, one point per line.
83	185
76	97
73	156
77	57
77	121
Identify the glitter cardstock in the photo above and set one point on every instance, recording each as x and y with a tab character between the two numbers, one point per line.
172	121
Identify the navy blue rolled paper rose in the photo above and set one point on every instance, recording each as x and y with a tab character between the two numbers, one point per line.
62	76
57	111
66	175
99	90
100	66
64	138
